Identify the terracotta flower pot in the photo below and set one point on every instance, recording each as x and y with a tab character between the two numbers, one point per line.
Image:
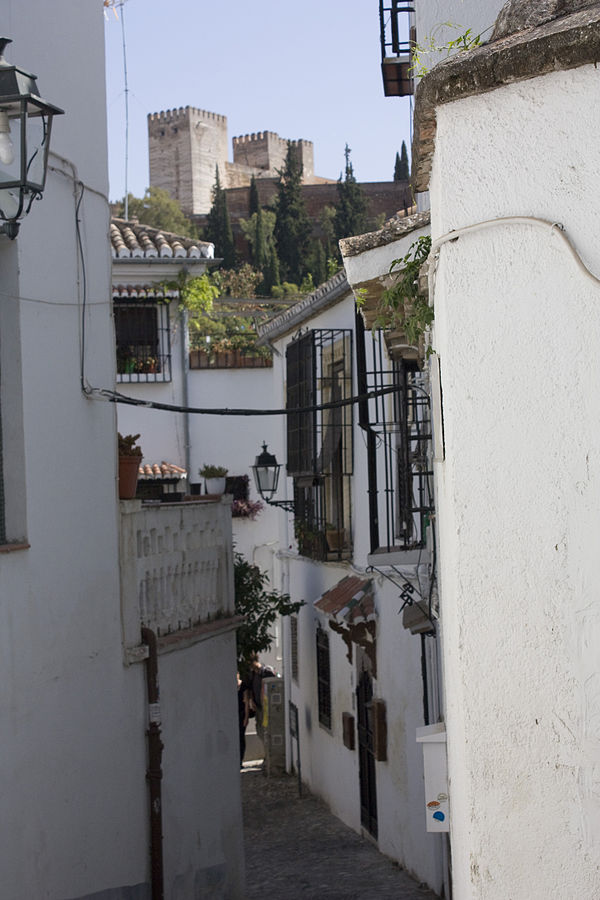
128	476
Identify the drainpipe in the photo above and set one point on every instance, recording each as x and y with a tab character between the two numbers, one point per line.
363	421
154	771
185	369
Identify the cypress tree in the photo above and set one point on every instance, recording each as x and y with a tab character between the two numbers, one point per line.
219	226
253	204
351	208
318	263
292	227
401	169
271	271
397	168
260	246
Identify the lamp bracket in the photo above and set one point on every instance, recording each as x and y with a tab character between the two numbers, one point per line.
283	504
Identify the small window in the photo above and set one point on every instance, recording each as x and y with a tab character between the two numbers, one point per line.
143	342
294	646
323	678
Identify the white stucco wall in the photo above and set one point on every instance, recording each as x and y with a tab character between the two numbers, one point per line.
73	762
517	328
330	769
440	21
201	771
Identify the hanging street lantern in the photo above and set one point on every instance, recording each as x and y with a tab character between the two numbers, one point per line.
25	125
266	471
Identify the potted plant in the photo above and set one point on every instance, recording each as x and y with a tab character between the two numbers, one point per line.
130	458
214	478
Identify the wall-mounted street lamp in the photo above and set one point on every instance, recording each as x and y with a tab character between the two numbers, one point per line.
25	125
266	471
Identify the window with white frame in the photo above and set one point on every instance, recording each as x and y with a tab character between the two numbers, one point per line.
143	340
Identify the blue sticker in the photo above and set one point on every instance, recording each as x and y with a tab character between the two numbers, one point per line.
439	816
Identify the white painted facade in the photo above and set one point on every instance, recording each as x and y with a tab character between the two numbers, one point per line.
440	21
516	328
73	770
330	769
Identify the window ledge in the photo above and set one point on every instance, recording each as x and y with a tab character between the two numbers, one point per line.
383	558
17	545
142	378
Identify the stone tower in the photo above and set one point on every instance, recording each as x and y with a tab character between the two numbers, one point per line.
187	144
185	147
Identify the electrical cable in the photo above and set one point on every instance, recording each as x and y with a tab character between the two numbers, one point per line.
554	227
83	287
116	397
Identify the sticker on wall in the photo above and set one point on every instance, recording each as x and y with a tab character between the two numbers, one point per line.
442	797
433	804
439	816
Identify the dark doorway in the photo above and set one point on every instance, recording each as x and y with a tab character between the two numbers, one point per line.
366	758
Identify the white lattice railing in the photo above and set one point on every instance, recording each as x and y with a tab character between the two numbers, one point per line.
176	566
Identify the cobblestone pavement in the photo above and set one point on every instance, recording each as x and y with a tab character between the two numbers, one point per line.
295	848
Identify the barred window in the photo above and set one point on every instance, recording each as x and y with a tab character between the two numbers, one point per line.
294	646
143	341
398	430
323	678
319	441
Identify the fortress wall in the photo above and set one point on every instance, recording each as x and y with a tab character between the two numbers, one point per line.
185	147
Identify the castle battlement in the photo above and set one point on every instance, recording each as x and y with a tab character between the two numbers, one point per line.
187	144
185	112
261	136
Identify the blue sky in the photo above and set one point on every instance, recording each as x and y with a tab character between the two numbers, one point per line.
304	70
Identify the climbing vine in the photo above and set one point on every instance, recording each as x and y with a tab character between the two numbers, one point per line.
467	40
400	306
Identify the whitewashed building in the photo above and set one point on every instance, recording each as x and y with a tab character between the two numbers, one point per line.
505	142
80	575
156	366
359	555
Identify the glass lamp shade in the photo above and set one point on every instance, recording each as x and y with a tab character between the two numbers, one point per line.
25	126
266	474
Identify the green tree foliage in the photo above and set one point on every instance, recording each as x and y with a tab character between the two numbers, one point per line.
254	203
401	169
317	262
158	209
271	276
258	231
292	226
351	208
260	608
240	283
218	227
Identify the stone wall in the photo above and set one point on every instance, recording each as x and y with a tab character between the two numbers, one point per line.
187	144
185	147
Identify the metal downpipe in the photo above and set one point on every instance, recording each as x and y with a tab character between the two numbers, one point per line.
154	770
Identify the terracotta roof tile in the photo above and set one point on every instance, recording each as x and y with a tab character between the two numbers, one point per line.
161	470
351	599
132	240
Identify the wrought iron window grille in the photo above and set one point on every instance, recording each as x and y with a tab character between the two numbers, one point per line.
143	341
400	452
396	61
323	678
319	442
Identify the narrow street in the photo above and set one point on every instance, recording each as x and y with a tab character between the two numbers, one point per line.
296	848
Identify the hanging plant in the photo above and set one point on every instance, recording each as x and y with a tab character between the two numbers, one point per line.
401	306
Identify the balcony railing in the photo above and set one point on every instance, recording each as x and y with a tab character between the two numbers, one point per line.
176	566
396	62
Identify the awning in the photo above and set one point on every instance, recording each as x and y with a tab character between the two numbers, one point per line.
351	600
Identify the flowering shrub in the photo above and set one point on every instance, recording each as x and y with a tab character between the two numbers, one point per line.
246	509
